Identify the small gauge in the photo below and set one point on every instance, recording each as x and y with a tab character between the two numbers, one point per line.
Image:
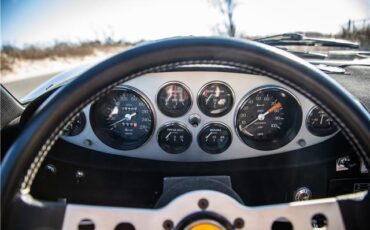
319	123
214	138
174	138
215	99
269	118
123	119
76	127
174	99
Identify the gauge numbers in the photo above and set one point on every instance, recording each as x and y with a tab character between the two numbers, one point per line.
268	119
122	119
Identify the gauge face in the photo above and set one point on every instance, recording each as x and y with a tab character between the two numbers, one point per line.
319	123
214	138
76	127
268	119
174	100
122	119
174	138
215	99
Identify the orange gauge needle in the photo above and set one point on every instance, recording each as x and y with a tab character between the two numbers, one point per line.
274	107
261	117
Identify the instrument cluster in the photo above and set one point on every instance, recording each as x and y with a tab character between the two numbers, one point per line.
202	116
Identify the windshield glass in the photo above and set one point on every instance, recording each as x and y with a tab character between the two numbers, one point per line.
41	38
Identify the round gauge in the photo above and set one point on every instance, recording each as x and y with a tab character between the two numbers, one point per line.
122	119
174	138
319	123
215	99
268	119
174	100
76	126
214	138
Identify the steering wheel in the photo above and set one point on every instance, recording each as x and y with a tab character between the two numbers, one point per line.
188	211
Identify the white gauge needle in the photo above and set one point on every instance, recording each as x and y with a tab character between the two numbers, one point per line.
168	136
209	135
262	116
168	99
127	117
322	117
208	98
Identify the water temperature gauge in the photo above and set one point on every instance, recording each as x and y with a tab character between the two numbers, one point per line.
174	138
215	99
214	138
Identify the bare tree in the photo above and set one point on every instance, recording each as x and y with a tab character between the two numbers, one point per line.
226	8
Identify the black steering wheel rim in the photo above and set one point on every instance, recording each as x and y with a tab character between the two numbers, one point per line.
45	127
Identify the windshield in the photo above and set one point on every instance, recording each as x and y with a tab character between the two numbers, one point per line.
41	38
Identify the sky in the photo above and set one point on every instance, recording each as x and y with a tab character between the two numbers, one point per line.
43	22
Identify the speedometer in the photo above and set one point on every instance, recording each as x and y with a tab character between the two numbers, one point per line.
122	119
268	119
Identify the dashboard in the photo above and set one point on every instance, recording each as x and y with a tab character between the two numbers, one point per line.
198	116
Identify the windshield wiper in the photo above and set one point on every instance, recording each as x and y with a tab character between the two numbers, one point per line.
296	39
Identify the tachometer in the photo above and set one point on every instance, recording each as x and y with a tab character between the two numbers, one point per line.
174	99
122	119
268	119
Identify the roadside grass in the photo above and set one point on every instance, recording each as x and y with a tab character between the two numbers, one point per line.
61	50
11	55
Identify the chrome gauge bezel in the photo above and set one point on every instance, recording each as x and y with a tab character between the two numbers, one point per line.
215	123
172	123
309	128
284	140
187	89
141	96
226	111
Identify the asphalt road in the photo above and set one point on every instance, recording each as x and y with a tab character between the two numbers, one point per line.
22	87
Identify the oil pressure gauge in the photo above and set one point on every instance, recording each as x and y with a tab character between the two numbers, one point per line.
174	138
214	138
319	123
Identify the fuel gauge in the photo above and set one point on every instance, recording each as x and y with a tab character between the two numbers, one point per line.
214	138
174	99
319	123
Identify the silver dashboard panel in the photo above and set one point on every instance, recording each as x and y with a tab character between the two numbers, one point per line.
241	84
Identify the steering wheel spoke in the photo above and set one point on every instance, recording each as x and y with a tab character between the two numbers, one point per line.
29	213
222	209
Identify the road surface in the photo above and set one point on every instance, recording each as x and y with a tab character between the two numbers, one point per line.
22	87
